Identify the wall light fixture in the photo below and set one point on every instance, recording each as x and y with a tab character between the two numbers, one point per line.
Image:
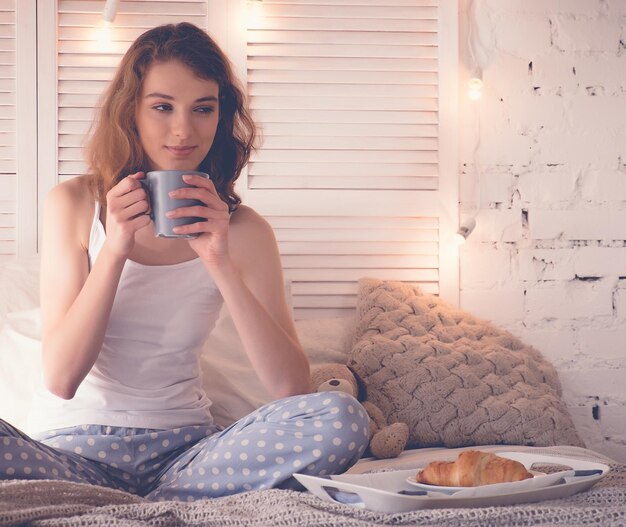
110	10
465	230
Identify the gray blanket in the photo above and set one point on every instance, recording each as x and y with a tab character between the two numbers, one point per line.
50	503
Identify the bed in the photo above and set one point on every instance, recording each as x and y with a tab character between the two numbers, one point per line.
235	391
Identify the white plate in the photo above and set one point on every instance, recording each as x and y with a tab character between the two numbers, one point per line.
451	490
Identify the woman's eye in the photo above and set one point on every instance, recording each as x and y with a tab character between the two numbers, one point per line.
162	107
205	109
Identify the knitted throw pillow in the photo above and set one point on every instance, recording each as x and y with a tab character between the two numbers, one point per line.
453	379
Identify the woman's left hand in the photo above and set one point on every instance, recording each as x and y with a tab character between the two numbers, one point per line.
211	245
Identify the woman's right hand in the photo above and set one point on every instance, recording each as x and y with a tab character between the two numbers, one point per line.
127	208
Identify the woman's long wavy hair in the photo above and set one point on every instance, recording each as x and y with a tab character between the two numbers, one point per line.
114	149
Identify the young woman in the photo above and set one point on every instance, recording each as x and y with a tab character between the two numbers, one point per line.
125	313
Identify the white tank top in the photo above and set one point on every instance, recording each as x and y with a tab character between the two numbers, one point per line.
147	374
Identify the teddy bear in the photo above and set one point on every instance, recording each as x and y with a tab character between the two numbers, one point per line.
386	441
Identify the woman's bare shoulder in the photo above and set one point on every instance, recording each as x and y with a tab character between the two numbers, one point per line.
71	203
74	192
251	234
249	221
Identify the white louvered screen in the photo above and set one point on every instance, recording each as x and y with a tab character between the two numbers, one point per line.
85	66
346	93
325	256
8	150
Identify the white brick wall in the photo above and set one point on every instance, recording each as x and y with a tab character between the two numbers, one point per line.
547	259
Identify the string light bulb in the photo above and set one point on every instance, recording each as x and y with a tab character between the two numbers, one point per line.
254	14
103	30
103	36
475	87
464	231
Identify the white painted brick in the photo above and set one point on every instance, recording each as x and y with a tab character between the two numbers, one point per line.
506	147
601	383
569	300
499	305
506	76
603	185
599	435
556	345
546	153
594	435
622	141
592	133
588	429
619	298
522	34
467	189
498	225
599	124
596	112
586	224
584	34
617	8
547	186
606	71
525	130
577	7
530	112
496	187
604	343
484	266
546	264
553	74
493	110
578	145
615	448
613	419
600	261
606	435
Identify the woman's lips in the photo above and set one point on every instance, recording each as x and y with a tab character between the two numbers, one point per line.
181	151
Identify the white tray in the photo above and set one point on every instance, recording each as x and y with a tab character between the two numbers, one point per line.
390	492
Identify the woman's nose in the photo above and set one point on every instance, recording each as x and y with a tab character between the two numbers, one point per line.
181	125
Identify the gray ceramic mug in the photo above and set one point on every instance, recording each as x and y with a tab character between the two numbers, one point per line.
158	185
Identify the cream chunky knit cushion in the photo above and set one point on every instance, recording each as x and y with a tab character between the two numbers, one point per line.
453	379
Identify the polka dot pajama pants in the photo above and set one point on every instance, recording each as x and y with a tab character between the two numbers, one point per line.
319	433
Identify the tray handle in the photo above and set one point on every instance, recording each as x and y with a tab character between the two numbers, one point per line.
342	496
337	491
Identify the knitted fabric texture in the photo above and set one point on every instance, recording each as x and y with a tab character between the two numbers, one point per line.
453	379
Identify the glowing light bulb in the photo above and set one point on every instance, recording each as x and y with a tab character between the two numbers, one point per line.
475	88
103	36
254	13
459	239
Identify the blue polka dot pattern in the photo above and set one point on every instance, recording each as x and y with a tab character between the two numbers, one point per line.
320	434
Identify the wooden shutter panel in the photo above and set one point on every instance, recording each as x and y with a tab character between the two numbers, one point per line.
8	143
18	104
346	98
346	94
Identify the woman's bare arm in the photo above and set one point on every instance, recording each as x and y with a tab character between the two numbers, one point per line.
76	303
253	288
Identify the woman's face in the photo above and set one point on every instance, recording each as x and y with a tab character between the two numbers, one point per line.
176	116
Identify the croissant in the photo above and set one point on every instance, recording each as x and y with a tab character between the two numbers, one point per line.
471	469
